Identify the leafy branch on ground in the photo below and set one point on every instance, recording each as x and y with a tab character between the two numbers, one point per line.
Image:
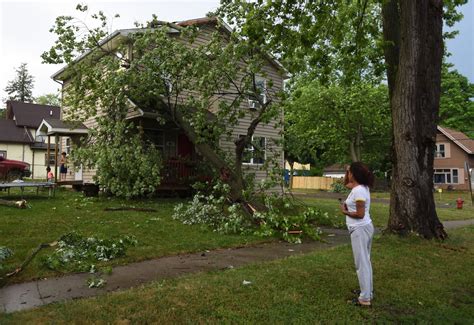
75	252
281	217
5	253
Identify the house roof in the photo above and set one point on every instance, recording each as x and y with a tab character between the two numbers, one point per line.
336	168
459	138
227	28
59	127
110	41
30	115
10	132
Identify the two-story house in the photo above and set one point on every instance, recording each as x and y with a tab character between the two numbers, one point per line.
19	139
178	151
453	150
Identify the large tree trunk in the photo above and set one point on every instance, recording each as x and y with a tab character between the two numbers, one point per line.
414	77
232	177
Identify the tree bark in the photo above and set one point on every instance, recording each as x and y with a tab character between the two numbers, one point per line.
229	176
414	77
353	150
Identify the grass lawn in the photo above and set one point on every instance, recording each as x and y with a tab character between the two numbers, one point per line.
47	219
379	211
415	281
157	234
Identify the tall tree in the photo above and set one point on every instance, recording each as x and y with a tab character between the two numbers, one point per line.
414	52
21	88
413	48
344	122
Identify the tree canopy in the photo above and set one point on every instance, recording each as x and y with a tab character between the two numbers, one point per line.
342	123
457	101
201	87
49	99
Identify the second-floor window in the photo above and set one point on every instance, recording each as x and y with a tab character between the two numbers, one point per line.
3	154
440	151
255	153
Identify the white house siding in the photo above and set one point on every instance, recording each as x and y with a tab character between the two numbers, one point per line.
23	152
16	151
272	132
87	174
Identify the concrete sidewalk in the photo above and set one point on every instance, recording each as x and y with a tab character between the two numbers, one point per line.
37	293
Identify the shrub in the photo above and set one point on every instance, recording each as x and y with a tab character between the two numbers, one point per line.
339	187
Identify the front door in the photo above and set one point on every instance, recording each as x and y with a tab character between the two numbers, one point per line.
78	174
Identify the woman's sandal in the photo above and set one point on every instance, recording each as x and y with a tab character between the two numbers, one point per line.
360	303
356	292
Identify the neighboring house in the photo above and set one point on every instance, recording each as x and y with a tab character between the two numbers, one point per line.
297	166
453	150
335	171
19	139
179	153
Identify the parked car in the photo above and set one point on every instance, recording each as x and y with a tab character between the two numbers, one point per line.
13	169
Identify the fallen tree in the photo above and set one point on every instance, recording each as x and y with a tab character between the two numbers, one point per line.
203	88
16	204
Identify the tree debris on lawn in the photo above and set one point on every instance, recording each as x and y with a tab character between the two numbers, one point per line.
78	253
16	204
5	253
96	282
130	209
30	257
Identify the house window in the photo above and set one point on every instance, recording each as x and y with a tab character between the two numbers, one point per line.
51	161
440	151
67	148
446	176
164	142
3	154
259	96
255	152
455	176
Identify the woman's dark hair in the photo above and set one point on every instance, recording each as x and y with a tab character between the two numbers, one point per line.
362	174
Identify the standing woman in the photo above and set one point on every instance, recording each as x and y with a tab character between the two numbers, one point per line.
356	208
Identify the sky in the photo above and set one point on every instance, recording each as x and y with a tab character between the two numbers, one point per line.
25	24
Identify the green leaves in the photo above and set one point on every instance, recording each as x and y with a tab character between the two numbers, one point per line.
329	119
127	165
456	104
78	253
5	253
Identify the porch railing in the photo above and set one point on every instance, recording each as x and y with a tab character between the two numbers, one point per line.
178	172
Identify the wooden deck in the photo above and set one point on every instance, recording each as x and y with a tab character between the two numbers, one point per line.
59	183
